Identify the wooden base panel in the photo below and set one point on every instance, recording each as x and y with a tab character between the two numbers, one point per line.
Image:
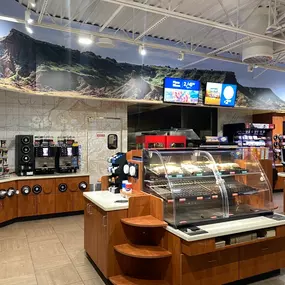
125	280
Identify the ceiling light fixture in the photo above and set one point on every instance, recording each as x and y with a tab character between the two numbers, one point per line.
85	40
29	29
181	56
28	18
142	50
32	3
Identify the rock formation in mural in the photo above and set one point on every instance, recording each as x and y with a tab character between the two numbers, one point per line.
34	66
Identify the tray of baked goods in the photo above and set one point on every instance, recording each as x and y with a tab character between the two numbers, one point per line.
196	189
188	169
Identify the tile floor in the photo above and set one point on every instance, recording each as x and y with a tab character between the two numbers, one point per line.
45	252
51	252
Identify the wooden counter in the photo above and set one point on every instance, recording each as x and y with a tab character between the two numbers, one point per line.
134	246
48	202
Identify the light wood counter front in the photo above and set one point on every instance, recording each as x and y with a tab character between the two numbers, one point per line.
39	196
133	246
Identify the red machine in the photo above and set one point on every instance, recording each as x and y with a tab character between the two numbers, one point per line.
175	141
151	141
158	141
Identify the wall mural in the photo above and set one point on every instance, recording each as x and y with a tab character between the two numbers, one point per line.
29	65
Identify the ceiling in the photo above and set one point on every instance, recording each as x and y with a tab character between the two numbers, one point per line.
214	29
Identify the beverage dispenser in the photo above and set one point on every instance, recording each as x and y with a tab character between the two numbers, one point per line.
68	155
45	152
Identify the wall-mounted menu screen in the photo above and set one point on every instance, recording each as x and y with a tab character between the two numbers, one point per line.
220	94
177	90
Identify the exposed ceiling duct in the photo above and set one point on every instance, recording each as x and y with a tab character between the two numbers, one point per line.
258	51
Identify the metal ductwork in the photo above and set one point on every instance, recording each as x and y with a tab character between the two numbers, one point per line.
258	51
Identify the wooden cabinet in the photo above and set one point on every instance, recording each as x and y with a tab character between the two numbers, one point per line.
259	258
213	268
95	235
63	203
46	204
37	204
102	241
90	231
27	205
72	199
102	231
8	206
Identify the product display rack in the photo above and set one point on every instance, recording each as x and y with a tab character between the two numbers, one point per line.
208	186
4	168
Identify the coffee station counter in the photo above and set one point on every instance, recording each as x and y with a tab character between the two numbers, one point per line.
28	197
14	177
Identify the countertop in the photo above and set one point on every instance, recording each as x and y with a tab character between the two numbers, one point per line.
106	200
231	227
281	174
14	177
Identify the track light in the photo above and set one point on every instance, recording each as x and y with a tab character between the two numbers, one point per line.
142	50
181	56
32	3
28	18
29	29
85	40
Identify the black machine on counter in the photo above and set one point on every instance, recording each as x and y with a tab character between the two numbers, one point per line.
116	169
24	155
45	151
41	155
68	155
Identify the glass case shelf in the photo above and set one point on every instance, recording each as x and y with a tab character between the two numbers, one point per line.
200	186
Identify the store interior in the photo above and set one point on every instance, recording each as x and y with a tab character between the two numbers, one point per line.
142	142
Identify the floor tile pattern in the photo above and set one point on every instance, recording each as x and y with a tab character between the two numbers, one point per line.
51	252
46	252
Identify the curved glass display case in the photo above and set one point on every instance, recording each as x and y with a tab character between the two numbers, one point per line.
206	186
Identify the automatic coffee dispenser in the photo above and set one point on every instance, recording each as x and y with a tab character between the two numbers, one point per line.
45	151
68	155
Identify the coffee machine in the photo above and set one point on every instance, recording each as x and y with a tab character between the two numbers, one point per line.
68	155
24	155
45	151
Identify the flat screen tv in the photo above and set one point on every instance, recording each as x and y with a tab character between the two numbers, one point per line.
219	94
178	90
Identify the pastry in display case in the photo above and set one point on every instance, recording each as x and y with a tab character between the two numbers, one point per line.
207	186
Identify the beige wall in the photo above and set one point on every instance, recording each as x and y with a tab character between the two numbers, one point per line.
54	116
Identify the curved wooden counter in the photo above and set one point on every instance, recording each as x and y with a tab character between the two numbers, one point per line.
49	201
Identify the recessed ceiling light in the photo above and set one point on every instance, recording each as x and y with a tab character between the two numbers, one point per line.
142	50
85	40
29	29
181	56
28	18
33	3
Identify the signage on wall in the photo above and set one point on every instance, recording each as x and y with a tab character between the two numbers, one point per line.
100	135
177	90
220	94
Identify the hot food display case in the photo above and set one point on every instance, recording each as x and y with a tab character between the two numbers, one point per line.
207	186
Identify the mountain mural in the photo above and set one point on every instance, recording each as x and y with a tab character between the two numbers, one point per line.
33	66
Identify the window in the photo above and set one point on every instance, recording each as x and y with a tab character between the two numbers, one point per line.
112	141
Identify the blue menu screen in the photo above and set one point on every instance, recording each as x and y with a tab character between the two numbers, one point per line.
178	90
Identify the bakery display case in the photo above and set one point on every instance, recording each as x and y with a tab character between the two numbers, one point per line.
207	186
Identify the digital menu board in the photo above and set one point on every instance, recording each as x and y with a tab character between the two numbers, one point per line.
220	94
178	90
